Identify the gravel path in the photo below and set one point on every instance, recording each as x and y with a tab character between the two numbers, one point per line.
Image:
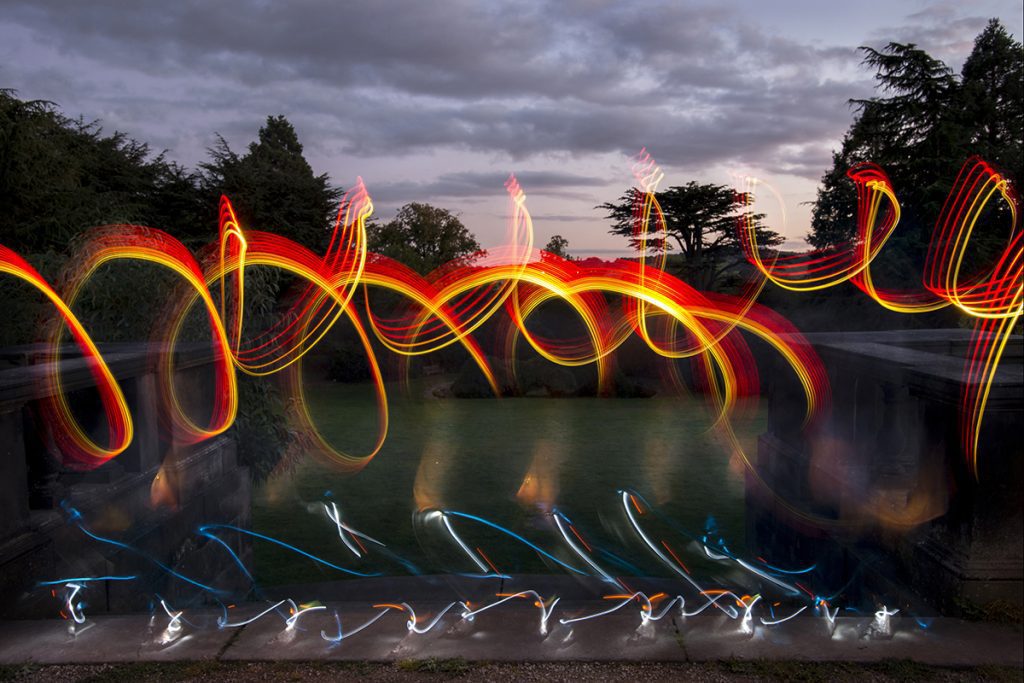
460	670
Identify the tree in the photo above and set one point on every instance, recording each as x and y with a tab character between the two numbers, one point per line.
701	221
273	187
909	132
992	95
559	246
921	129
61	176
423	237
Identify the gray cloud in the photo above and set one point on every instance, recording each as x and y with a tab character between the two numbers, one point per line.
939	29
476	184
561	218
534	84
533	78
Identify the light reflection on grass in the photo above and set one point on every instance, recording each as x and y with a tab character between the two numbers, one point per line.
476	454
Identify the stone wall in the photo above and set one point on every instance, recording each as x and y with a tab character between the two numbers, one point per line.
881	490
152	497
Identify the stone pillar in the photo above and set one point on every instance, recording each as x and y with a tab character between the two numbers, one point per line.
888	462
14	507
144	452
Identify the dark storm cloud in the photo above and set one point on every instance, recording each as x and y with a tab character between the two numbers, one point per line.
561	218
939	29
698	85
473	184
462	50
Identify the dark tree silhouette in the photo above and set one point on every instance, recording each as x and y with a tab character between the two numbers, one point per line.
273	187
701	222
559	246
423	237
921	128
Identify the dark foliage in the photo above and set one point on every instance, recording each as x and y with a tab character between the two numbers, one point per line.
701	221
423	237
272	187
559	246
923	125
59	177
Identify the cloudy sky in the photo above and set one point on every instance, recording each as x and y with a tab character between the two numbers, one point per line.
438	102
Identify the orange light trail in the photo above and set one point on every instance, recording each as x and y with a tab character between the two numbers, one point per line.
444	308
612	301
994	298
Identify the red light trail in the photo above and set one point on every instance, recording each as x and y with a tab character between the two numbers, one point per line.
993	297
613	301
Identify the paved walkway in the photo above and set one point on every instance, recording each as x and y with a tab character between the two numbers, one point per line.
508	632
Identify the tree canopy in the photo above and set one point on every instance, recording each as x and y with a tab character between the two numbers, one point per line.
423	237
60	176
559	246
923	125
701	221
272	186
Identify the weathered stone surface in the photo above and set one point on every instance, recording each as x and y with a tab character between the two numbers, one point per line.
510	634
153	497
888	462
14	492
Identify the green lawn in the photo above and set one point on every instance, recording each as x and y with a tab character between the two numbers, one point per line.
474	455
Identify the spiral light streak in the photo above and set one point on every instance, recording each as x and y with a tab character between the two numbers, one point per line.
508	285
135	243
775	622
208	529
993	297
174	625
651	608
222	621
74	609
558	517
345	531
444	308
413	622
546	607
342	635
449	305
297	611
624	600
72	440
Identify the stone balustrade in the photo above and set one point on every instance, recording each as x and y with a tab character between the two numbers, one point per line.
881	490
152	497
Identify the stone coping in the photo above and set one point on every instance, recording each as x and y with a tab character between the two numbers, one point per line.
27	380
930	362
508	632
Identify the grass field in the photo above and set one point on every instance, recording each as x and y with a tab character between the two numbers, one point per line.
505	460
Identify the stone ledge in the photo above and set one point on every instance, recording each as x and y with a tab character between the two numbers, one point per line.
510	634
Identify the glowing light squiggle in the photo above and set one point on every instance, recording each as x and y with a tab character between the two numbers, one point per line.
994	298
